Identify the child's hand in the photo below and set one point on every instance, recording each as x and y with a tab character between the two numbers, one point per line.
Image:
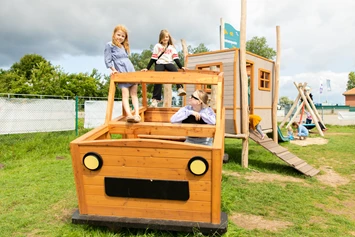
184	68
113	72
197	115
144	70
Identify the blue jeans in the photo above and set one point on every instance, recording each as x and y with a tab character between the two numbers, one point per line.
258	128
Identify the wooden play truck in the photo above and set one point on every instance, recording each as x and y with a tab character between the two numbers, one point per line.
151	178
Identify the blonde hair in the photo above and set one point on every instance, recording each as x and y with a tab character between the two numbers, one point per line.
125	43
202	95
162	34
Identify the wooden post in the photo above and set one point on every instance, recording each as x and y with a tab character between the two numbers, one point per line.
167	95
244	84
185	52
276	86
290	111
213	91
221	34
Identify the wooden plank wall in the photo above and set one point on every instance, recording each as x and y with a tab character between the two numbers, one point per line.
147	163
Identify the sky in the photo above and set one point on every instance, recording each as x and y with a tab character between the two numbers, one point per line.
317	36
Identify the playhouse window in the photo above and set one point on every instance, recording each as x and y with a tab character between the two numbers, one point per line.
213	67
264	80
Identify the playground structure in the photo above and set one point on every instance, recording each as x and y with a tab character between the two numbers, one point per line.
150	178
307	102
260	72
261	97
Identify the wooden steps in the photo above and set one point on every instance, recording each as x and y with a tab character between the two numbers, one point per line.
284	154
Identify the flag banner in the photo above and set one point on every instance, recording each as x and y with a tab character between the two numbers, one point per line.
231	37
328	85
321	88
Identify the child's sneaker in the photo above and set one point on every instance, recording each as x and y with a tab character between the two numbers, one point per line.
262	137
137	118
154	103
181	92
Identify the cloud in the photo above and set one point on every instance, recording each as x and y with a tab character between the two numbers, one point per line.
314	79
316	36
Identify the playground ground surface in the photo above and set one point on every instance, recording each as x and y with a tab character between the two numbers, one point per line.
269	198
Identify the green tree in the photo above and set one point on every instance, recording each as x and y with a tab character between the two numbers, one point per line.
259	46
351	81
11	82
284	100
201	48
26	64
140	61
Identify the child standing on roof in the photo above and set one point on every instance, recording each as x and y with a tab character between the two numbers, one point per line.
302	131
116	58
164	55
254	123
196	112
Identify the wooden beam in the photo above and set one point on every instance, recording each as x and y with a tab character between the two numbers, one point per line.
276	86
151	77
244	84
168	129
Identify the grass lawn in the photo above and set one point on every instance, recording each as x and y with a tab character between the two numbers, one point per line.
269	198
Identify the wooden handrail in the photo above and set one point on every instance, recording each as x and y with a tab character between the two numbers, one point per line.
181	77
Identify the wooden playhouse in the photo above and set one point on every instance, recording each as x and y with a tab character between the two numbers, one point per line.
261	84
150	178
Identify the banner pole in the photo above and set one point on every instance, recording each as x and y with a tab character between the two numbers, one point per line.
221	33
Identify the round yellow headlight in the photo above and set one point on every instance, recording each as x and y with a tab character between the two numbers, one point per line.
92	161
198	165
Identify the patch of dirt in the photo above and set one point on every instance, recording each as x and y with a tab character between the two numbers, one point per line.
2	166
347	208
310	141
251	222
263	177
331	178
60	157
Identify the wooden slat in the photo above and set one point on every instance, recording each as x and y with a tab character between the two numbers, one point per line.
295	161
146	152
159	116
289	157
152	128
151	77
149	213
216	185
172	138
145	143
97	200
146	161
299	163
203	196
276	150
285	155
270	145
94	184
290	161
312	172
148	173
306	168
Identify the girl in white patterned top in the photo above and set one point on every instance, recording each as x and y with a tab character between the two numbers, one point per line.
164	55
